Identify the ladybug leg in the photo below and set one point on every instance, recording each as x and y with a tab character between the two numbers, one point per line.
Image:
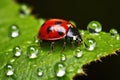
52	47
72	42
40	41
78	43
64	45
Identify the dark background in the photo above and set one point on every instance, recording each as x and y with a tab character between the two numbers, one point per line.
82	12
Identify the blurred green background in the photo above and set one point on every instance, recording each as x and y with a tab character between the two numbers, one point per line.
82	12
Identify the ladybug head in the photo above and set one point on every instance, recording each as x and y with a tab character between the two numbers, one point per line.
73	34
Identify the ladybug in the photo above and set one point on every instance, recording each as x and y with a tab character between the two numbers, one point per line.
56	29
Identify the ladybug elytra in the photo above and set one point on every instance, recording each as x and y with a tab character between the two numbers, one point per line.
55	29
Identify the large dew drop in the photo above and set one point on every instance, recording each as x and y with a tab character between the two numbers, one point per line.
90	44
94	27
78	53
32	52
9	71
60	69
17	51
14	31
39	72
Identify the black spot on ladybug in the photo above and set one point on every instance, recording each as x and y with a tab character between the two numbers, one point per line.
58	22
49	29
60	33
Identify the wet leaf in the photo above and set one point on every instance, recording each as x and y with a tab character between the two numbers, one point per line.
43	66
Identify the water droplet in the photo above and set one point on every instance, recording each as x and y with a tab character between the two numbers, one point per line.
24	11
36	40
94	27
32	52
113	32
60	69
14	31
39	72
90	44
82	32
9	71
63	57
78	53
17	51
117	36
12	60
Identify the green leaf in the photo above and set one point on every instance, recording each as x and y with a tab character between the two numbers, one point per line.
44	66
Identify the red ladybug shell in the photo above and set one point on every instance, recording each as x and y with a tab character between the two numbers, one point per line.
54	29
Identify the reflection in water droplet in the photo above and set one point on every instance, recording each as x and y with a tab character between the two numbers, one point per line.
39	72
32	52
90	44
63	57
9	71
24	11
113	32
94	27
78	53
60	69
17	51
14	31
